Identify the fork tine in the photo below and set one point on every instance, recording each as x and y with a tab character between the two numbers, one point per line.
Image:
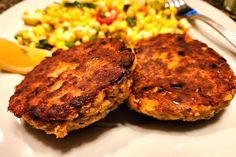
182	2
169	3
176	3
183	9
181	6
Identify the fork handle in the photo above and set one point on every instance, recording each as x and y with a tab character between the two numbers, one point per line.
229	35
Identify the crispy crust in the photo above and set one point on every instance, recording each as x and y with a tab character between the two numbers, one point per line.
177	78
60	87
106	101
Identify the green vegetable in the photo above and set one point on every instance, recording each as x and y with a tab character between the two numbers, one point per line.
80	5
43	44
26	41
16	36
126	7
65	28
157	4
101	14
94	37
69	44
131	21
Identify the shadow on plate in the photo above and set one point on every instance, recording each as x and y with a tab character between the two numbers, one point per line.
121	117
72	140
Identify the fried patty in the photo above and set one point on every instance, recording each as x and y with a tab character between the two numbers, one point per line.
177	78
76	87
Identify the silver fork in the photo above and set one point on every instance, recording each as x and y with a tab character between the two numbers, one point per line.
184	10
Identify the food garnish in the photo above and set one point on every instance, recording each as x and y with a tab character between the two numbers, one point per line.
19	59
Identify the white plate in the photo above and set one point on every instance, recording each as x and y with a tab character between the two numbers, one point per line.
133	134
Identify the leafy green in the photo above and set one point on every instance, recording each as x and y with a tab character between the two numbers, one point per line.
131	21
16	36
126	7
79	4
157	4
26	41
43	44
69	44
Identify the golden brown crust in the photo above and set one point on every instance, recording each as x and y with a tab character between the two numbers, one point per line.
59	86
179	78
106	101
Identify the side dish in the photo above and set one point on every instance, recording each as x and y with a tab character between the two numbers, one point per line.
69	23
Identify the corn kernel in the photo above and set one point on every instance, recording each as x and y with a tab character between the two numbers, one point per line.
120	25
85	39
92	11
107	14
77	42
184	24
140	15
155	31
101	35
32	45
20	40
92	32
166	30
152	12
87	15
52	40
34	39
144	34
59	30
148	27
78	34
104	28
69	36
93	23
60	44
121	16
130	13
111	28
75	23
102	4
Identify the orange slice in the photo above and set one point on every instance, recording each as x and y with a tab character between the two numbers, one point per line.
19	59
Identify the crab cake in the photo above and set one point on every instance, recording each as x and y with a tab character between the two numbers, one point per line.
75	88
177	78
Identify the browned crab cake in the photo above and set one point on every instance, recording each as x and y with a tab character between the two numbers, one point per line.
177	78
76	87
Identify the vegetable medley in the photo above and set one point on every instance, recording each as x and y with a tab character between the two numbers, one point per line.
69	23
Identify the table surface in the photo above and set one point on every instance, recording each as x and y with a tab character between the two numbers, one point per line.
5	4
